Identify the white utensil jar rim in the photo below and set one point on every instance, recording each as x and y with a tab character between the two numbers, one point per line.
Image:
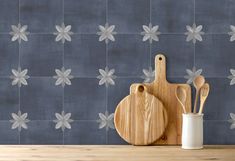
193	115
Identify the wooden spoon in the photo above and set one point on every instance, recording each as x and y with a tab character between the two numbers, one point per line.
198	83
203	96
180	93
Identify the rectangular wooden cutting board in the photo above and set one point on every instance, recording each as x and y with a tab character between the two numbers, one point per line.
165	91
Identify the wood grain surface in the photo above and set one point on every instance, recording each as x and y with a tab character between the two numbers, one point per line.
140	118
113	153
165	92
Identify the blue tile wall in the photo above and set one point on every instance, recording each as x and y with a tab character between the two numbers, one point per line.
66	64
41	16
42	55
9	55
84	55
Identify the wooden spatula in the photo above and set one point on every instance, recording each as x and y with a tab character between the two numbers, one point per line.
180	94
203	96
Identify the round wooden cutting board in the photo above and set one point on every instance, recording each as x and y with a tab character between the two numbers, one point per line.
140	118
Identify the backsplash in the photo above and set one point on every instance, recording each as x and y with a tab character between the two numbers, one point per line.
65	64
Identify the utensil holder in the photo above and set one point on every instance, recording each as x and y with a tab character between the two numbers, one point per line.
192	131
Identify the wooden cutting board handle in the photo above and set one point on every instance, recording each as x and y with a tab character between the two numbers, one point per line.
160	68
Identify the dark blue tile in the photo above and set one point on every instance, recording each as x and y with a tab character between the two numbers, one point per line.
220	101
85	132
41	55
171	15
128	16
9	55
9	99
114	138
128	55
218	132
215	55
119	91
85	55
176	80
179	54
41	16
41	132
11	10
85	98
215	15
8	135
41	99
85	15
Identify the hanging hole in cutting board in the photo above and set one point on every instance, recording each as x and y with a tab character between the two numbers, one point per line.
160	58
141	88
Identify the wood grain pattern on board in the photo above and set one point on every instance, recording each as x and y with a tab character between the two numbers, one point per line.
140	118
165	92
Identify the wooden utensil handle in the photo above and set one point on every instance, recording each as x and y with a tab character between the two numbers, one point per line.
201	108
195	102
160	68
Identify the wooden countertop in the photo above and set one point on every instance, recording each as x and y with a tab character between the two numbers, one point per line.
113	153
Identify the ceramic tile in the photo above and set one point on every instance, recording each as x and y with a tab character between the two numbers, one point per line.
11	9
35	134
85	132
41	99
217	18
220	101
9	99
41	16
215	55
85	98
179	54
9	56
85	15
114	138
85	55
7	135
128	55
218	132
172	16
41	55
128	16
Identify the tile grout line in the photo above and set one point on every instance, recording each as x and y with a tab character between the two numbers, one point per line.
194	9
150	11
150	44
121	33
96	120
106	64
19	65
63	66
88	120
19	11
119	77
194	44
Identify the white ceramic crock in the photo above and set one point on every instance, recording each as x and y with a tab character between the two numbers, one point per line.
192	131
